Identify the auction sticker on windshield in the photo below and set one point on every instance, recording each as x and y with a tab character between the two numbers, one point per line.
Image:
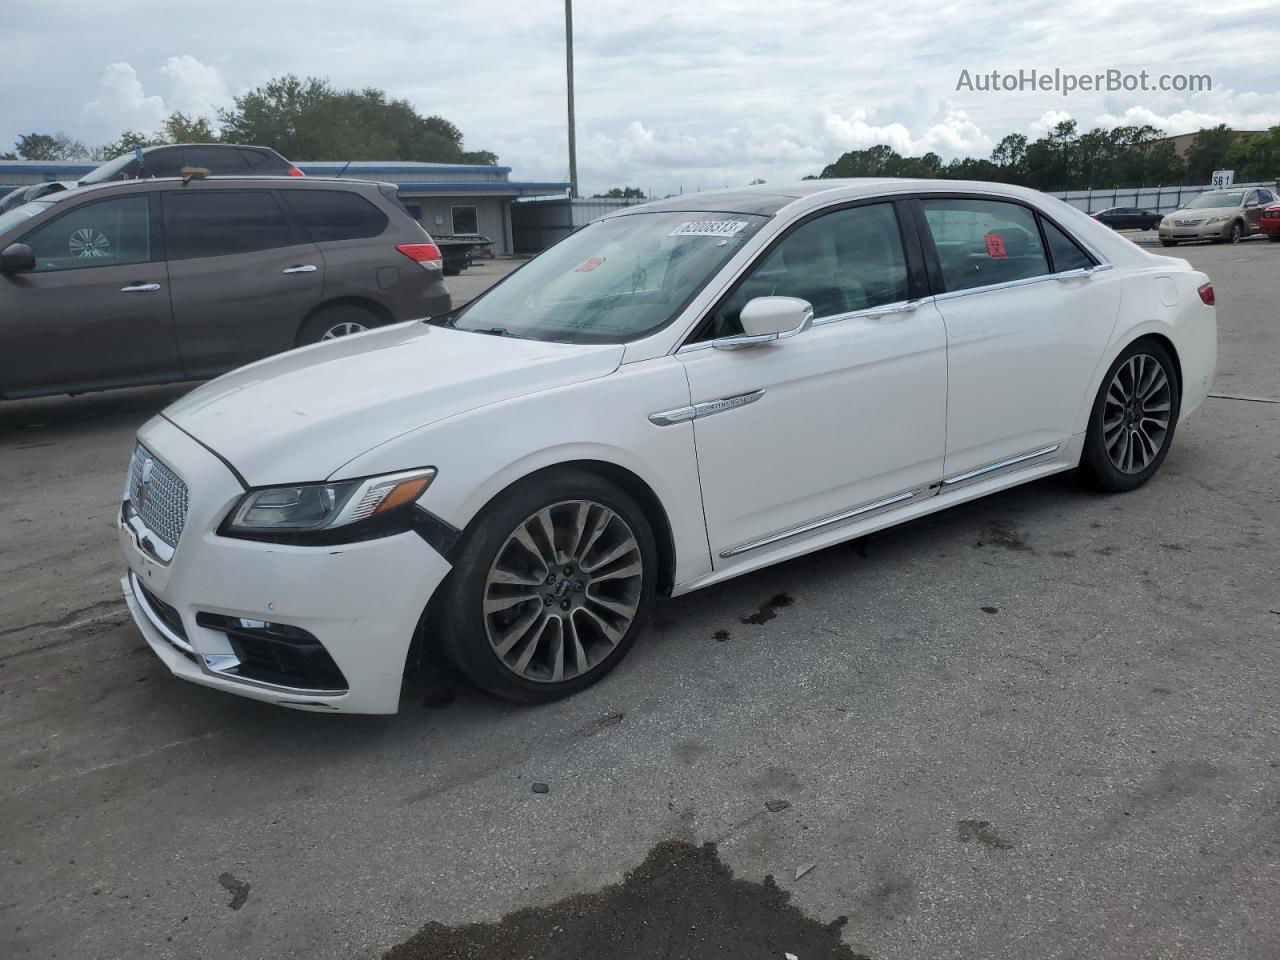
708	228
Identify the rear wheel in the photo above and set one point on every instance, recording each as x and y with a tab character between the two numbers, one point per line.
1274	237
550	588
1133	418
339	320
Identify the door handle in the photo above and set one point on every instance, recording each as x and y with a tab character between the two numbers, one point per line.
910	306
300	268
140	288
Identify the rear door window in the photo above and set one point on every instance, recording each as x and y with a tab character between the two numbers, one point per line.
1066	253
104	234
328	215
165	162
219	223
217	160
984	242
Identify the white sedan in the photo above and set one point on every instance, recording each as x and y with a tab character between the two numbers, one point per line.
674	395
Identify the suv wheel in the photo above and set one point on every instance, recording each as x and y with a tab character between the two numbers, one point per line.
550	588
340	320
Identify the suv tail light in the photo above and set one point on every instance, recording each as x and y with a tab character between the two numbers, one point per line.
1206	293
295	172
426	254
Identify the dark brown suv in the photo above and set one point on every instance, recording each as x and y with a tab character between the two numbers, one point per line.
152	281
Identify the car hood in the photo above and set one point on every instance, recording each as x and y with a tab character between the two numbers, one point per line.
303	414
1203	213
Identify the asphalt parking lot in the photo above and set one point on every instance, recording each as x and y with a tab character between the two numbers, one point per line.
1046	724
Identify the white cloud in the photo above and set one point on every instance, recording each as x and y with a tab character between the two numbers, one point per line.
197	89
1250	110
1048	120
121	104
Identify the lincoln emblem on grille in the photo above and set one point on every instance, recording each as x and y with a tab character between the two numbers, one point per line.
144	484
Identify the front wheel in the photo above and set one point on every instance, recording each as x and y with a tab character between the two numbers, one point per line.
1133	418
551	587
1237	233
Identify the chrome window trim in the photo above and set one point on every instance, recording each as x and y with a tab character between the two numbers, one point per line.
1000	465
814	526
867	313
1023	282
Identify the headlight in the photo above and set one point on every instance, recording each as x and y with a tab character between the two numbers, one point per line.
1223	219
315	508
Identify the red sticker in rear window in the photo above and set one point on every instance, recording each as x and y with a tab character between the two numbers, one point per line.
995	246
588	265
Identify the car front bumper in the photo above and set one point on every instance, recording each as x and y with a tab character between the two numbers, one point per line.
360	602
1201	231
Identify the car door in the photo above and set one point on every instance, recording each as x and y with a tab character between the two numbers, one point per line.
95	310
1252	211
837	423
242	276
1027	318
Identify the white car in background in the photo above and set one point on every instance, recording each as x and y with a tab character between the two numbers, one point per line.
676	394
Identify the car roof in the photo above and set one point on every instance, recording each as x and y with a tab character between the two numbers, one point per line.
769	199
287	183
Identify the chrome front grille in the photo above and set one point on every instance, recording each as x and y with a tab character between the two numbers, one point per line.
158	496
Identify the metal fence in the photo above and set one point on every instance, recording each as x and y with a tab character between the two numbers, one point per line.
538	222
1156	199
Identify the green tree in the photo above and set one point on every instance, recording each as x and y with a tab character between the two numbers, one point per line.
180	128
125	144
49	146
1256	157
621	193
309	119
1208	152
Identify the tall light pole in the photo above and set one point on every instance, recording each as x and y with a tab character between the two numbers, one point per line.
568	63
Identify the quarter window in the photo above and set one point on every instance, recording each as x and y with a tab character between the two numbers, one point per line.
841	262
218	223
1066	253
335	214
104	234
465	221
984	242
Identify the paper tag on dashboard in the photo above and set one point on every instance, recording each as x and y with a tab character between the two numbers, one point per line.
708	228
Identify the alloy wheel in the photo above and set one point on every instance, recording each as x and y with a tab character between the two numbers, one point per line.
343	330
563	591
1235	233
1136	413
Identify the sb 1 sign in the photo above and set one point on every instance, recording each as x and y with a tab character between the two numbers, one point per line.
1223	178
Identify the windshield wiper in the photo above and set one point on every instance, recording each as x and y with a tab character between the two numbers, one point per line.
492	331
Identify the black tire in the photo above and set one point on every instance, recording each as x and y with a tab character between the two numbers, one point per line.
1237	233
1273	237
1096	463
1168	243
333	318
458	615
452	271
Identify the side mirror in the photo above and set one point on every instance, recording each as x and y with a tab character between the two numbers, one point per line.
17	258
766	319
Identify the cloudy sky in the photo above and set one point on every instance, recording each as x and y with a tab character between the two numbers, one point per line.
669	94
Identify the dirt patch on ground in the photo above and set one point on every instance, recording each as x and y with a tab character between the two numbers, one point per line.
682	901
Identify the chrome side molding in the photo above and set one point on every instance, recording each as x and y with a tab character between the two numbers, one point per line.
816	525
1000	465
705	409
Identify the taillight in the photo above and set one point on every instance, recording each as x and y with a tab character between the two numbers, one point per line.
295	172
426	254
1206	293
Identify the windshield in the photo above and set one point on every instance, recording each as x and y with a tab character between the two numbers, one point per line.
1217	198
17	215
612	281
110	170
